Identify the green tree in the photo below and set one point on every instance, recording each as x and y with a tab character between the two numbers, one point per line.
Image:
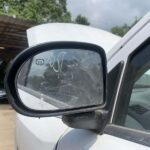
82	20
36	10
122	30
40	11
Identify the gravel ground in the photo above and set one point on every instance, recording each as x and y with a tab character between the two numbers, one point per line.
7	127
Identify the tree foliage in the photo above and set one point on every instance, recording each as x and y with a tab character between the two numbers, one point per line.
36	10
40	11
122	30
82	20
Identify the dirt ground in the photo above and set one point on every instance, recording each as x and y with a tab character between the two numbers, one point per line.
7	127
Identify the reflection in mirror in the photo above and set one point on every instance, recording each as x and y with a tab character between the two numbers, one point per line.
61	79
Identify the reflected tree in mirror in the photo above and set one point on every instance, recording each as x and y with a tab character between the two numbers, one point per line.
61	79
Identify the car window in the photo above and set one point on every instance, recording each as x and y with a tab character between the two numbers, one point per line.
133	109
139	106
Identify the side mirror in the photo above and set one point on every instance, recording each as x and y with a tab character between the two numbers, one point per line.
58	78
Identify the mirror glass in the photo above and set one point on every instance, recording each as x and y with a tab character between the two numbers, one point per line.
61	79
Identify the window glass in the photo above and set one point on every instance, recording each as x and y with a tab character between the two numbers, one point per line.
133	109
139	106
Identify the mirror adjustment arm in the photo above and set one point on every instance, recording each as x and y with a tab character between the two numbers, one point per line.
95	120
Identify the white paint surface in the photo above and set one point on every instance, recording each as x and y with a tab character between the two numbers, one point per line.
71	32
77	139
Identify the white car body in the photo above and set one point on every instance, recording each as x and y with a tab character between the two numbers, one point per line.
47	133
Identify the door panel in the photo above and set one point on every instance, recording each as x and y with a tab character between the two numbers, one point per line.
76	139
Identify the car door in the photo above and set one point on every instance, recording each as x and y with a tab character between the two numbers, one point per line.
125	131
128	102
129	126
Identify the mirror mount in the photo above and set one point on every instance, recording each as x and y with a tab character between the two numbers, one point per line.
95	120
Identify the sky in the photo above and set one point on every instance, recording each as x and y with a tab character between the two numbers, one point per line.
106	14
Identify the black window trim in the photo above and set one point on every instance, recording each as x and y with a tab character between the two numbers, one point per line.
110	102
